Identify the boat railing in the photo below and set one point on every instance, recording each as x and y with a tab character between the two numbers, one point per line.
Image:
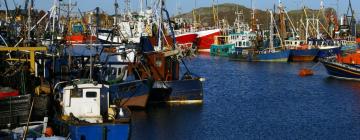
333	61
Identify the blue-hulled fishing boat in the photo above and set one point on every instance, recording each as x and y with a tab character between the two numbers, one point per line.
328	51
84	112
243	54
272	53
243	46
163	67
272	56
180	91
132	94
326	47
168	85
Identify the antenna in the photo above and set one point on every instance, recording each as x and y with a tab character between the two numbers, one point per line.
116	11
337	7
141	6
322	7
127	6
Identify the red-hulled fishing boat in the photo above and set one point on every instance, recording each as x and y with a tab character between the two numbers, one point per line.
184	38
206	38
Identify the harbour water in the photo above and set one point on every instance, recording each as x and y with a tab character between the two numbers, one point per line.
257	101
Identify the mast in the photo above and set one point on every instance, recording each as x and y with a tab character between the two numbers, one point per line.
116	5
160	25
127	10
337	8
194	15
253	19
271	37
282	24
69	8
97	24
215	14
53	16
350	18
7	11
141	6
29	21
178	8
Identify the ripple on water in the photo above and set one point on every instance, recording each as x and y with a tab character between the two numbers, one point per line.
258	101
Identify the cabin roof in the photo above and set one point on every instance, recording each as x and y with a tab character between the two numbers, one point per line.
85	83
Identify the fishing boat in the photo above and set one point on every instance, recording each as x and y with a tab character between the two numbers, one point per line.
341	70
345	65
184	33
114	69
185	37
163	67
272	53
132	94
206	38
329	48
125	32
78	33
128	27
222	46
244	38
168	85
300	52
87	113
229	44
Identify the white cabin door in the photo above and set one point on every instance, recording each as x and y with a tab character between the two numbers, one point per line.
91	102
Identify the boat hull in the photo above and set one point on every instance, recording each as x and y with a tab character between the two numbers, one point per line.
328	52
99	131
221	50
242	54
303	55
281	56
179	91
92	131
342	71
205	39
79	39
186	38
131	94
118	127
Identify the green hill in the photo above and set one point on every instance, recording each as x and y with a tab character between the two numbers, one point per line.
227	11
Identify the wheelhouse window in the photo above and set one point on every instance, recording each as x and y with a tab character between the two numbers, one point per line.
76	93
91	94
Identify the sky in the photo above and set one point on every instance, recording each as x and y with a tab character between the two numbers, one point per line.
188	5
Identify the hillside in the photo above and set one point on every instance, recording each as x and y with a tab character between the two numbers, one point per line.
227	10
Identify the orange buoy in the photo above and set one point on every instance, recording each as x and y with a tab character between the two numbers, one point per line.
306	72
